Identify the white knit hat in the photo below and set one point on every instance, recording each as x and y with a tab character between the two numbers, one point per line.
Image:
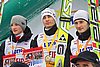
50	12
22	21
81	14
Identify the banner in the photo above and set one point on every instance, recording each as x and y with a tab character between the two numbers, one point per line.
35	55
8	60
65	15
94	12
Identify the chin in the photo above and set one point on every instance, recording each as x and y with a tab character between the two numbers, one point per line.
80	32
15	33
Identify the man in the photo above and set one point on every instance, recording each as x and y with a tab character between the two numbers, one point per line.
83	41
20	38
48	39
86	59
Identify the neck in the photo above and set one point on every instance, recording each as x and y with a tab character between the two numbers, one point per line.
21	34
51	31
48	28
85	35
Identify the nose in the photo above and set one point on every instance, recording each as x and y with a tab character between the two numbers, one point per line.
13	26
47	19
78	25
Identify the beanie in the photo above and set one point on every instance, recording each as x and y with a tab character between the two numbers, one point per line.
81	14
50	12
18	19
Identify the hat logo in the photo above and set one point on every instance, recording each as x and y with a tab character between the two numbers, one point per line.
50	13
23	23
97	60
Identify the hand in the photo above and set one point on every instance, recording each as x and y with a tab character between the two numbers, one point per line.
27	61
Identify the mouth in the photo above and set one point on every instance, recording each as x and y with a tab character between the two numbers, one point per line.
47	23
80	28
14	30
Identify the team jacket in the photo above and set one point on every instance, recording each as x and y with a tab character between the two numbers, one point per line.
11	46
48	38
82	43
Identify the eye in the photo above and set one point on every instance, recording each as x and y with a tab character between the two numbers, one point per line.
16	24
85	65
77	65
75	23
44	17
49	16
11	24
81	21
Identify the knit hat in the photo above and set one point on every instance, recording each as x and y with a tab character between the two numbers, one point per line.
88	56
22	21
50	12
81	14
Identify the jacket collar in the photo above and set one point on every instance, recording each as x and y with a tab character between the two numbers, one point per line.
51	31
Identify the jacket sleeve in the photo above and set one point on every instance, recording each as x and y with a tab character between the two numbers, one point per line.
34	42
68	52
2	47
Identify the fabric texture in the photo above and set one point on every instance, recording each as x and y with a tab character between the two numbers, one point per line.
81	14
82	40
86	55
22	21
50	12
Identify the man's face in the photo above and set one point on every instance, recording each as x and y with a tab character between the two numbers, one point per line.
48	21
81	25
82	63
16	29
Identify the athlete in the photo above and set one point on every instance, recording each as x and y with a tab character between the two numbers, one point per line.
20	38
83	41
48	38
